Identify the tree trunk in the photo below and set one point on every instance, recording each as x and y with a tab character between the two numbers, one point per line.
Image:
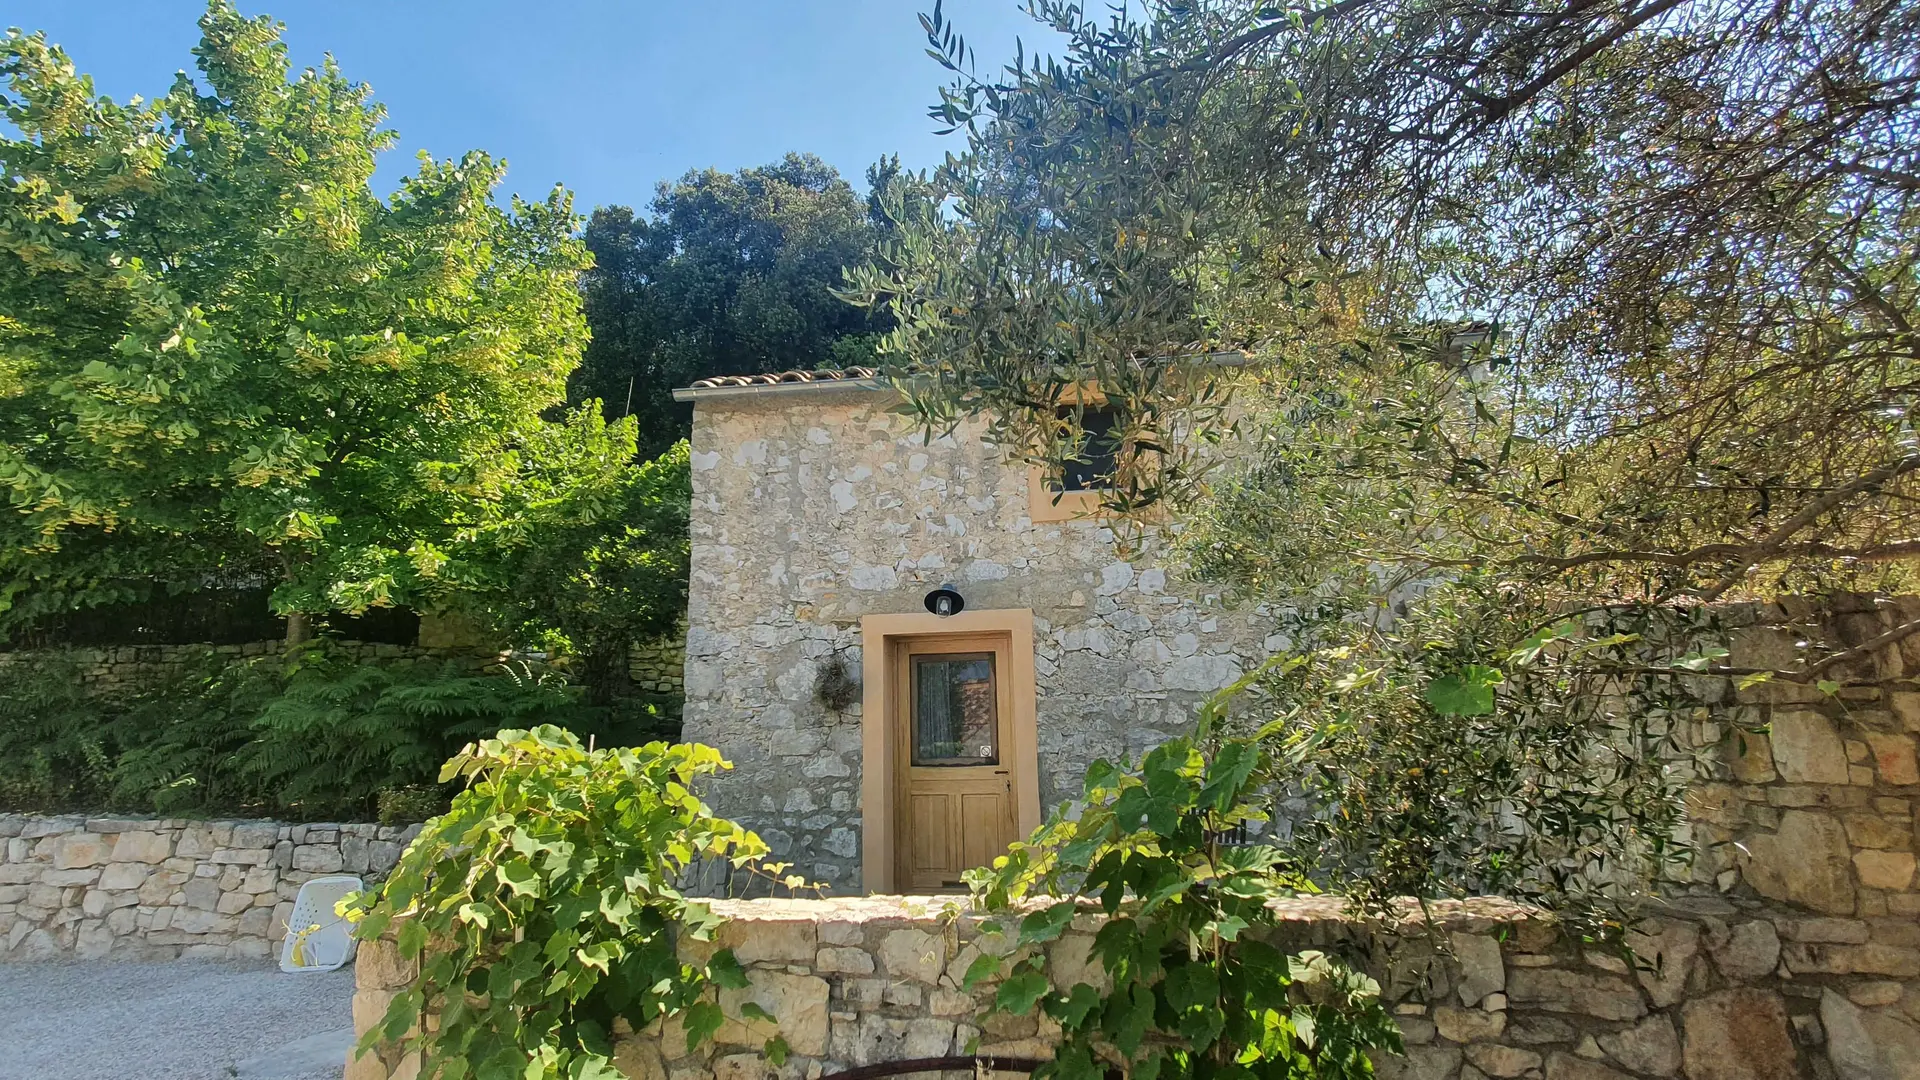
299	627
606	672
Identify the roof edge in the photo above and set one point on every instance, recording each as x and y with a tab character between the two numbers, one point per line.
852	378
711	393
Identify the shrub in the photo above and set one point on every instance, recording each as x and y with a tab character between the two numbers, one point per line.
180	741
311	734
548	893
1196	989
406	805
339	733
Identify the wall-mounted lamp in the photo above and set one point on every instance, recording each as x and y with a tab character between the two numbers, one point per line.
945	601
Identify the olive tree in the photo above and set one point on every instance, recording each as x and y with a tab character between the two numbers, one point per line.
1540	335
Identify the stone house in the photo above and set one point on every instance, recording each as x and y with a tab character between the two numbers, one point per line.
822	524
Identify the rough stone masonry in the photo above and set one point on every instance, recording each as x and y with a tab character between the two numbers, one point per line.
146	889
814	510
1792	951
1489	989
807	516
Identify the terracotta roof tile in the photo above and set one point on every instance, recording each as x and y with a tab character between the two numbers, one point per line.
776	378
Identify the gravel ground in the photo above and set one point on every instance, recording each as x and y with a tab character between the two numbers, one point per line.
180	1020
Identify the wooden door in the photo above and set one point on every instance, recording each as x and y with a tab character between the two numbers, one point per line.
951	710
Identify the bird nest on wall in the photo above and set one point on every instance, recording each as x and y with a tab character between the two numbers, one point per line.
836	687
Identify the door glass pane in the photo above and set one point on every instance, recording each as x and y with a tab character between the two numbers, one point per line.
954	710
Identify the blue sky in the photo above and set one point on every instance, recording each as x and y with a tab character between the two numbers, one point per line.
605	96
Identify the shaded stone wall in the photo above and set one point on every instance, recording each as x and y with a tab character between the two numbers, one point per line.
658	665
808	515
1491	991
147	888
118	668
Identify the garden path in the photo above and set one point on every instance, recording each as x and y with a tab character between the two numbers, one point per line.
176	1020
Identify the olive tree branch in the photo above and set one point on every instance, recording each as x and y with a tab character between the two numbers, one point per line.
1805	675
1500	107
1900	549
1767	548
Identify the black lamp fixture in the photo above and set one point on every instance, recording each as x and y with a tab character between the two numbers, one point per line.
945	601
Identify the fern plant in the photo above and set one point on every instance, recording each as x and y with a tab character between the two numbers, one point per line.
311	734
56	748
179	740
339	733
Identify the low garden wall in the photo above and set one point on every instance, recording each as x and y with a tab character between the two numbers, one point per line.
111	669
1723	989
146	888
1793	951
657	665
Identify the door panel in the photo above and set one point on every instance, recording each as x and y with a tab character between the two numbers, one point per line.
951	709
929	830
986	827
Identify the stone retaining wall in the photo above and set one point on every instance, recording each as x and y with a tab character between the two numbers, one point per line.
1721	990
1794	951
117	668
143	888
1816	803
657	665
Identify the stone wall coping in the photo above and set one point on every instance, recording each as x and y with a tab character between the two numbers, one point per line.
1715	990
1479	914
33	824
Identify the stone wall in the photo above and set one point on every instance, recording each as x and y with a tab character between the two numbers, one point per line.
809	515
1816	804
118	668
658	665
145	888
1720	990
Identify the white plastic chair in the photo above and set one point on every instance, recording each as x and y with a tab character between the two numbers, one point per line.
318	939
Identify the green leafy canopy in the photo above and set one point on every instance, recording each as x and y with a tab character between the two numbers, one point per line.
1490	348
225	357
730	273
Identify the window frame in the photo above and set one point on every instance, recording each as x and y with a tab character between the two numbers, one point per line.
1048	502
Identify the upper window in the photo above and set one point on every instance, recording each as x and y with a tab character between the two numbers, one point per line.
1097	461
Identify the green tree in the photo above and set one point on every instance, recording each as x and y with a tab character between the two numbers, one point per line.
1560	326
731	273
592	554
226	357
